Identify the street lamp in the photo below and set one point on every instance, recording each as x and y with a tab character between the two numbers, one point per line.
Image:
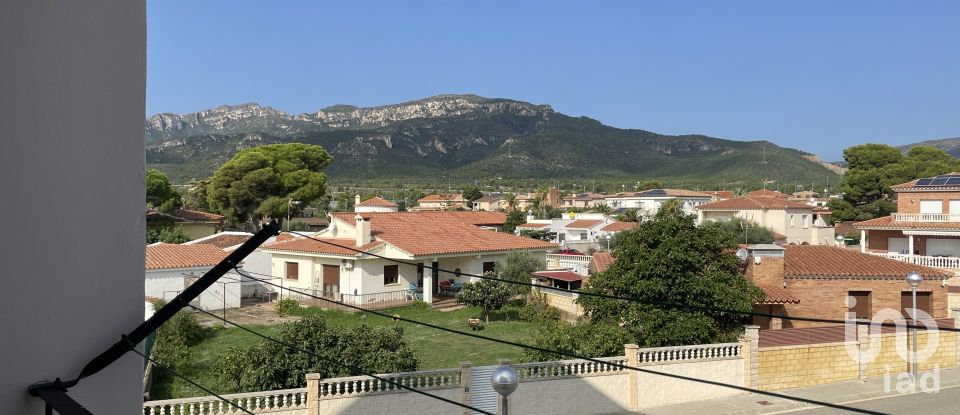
839	240
290	204
914	279
504	380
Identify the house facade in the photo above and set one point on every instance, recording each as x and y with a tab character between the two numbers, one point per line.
195	224
829	282
925	230
171	268
490	203
374	204
795	221
442	202
650	201
342	267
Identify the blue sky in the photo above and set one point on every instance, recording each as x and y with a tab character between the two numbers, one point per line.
818	76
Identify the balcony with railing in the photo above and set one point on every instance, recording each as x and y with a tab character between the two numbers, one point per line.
948	262
926	217
576	263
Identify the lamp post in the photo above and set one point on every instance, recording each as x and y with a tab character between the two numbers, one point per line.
290	204
914	279
504	380
839	240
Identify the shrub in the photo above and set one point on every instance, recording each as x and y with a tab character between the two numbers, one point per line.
175	337
287	307
537	310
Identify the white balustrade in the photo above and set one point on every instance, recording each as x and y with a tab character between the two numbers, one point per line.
926	217
567	368
923	260
680	354
577	263
364	385
256	402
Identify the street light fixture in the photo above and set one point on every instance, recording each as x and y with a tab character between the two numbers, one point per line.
839	240
914	279
504	380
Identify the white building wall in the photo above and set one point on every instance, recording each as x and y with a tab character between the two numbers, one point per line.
72	109
166	284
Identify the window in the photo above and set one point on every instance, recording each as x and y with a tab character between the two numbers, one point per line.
791	220
931	206
489	266
583	236
923	303
803	219
858	303
293	270
391	274
954	207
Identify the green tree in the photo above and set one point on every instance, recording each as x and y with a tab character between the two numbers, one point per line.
518	266
167	234
604	208
269	365
514	219
160	193
670	259
629	215
488	295
739	229
196	197
173	340
472	193
510	199
298	225
584	339
649	184
259	182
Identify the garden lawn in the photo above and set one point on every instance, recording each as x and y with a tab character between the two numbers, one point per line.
436	349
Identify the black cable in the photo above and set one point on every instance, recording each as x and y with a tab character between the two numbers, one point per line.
572	355
208	391
343	365
632	299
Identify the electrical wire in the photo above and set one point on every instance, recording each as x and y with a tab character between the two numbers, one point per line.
634	299
197	385
334	361
571	355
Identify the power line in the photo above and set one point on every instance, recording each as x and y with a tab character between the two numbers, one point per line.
572	355
197	385
343	365
632	299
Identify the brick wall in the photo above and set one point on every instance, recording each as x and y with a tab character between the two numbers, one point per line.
768	272
877	240
909	202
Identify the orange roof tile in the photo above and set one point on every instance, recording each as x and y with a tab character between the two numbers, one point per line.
222	240
821	261
334	247
443	198
751	202
600	261
583	224
377	202
532	225
887	222
434	233
768	193
165	256
619	226
777	295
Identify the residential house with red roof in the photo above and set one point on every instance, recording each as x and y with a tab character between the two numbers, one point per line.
355	259
441	202
171	268
195	224
796	222
925	230
490	202
830	282
650	201
375	204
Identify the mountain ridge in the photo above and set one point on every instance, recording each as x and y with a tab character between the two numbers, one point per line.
469	136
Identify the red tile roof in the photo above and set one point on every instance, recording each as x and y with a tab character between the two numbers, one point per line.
434	233
532	225
887	222
559	274
777	295
827	262
768	193
600	261
723	194
619	226
377	202
751	202
583	224
165	256
443	198
197	216
222	240
334	247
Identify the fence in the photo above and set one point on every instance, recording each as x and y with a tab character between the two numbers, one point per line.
286	400
373	301
577	263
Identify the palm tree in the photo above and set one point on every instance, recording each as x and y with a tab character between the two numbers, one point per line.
511	200
602	208
540	201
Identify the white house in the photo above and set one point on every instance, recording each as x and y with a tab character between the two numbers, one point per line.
794	221
650	201
171	268
456	242
258	262
375	204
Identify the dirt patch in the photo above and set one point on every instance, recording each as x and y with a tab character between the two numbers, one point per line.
264	313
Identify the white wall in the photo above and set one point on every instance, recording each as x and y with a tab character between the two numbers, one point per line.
167	283
72	111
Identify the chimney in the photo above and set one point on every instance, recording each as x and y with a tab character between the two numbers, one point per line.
765	264
356	202
363	230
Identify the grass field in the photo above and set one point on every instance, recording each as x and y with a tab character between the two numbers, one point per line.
436	349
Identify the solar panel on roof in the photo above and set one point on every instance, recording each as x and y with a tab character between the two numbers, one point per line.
924	182
953	181
939	181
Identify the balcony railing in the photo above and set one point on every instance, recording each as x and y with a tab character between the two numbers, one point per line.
926	217
577	263
927	261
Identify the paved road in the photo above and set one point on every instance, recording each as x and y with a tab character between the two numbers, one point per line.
946	402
